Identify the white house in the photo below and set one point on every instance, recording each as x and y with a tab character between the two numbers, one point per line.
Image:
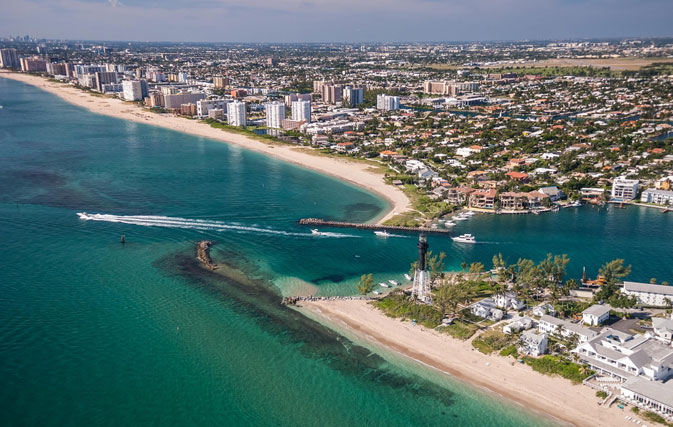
508	301
565	329
649	294
650	395
533	343
663	329
624	189
622	355
486	308
596	314
542	309
517	325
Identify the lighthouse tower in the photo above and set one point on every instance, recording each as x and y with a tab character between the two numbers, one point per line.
421	286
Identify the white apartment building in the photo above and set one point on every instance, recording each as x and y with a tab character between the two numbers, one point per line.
649	294
354	96
624	189
301	110
236	113
657	197
275	114
132	90
387	102
596	314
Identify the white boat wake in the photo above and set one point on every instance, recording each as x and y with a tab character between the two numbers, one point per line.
196	224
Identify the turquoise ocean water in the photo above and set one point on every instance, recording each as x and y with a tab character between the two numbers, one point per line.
93	332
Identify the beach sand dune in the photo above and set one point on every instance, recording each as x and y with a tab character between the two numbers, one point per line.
353	172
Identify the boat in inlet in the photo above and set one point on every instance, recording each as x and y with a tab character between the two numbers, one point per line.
383	285
393	282
464	238
382	233
408	277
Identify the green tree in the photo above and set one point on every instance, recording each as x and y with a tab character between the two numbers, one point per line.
614	270
435	265
476	268
366	284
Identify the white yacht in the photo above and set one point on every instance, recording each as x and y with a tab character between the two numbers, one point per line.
384	285
464	238
460	218
382	233
449	224
408	277
393	282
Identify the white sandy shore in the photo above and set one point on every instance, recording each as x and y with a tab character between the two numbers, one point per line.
555	396
357	173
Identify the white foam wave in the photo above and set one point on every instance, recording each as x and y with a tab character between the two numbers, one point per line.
194	224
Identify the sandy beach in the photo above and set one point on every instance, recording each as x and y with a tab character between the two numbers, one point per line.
357	173
555	396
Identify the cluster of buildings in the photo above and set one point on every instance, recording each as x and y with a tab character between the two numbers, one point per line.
637	366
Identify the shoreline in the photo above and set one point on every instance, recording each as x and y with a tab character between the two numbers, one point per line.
552	397
355	173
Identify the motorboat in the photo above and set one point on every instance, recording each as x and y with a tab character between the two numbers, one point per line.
460	218
408	277
449	224
464	238
315	231
393	282
468	213
382	233
384	285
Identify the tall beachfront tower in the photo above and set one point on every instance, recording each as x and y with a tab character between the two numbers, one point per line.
421	286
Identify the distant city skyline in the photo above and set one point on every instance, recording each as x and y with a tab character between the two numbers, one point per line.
336	21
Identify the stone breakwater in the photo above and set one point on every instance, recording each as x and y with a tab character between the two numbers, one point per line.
341	224
203	254
295	300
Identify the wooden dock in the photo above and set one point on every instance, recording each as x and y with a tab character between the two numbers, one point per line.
340	224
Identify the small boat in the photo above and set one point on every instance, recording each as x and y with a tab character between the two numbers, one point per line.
382	233
315	231
384	285
575	204
464	238
393	282
460	218
82	215
449	224
468	213
377	293
408	277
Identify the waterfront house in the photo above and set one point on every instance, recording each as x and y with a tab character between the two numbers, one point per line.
657	197
564	328
533	343
596	314
483	199
649	294
513	201
486	309
622	355
624	189
554	193
520	324
459	195
652	396
508	301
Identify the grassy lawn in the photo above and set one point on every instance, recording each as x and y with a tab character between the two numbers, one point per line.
554	365
459	329
397	305
491	341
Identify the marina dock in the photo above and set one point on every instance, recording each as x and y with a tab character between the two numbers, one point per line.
375	227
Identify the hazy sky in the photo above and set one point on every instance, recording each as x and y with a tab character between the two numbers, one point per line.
334	20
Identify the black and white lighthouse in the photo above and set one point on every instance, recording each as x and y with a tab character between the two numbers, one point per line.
421	286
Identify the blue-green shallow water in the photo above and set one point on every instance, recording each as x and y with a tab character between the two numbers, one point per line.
96	333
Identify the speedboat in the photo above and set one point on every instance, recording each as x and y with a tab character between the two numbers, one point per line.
464	238
82	215
384	285
377	293
315	231
460	218
382	233
468	213
406	276
393	282
449	224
